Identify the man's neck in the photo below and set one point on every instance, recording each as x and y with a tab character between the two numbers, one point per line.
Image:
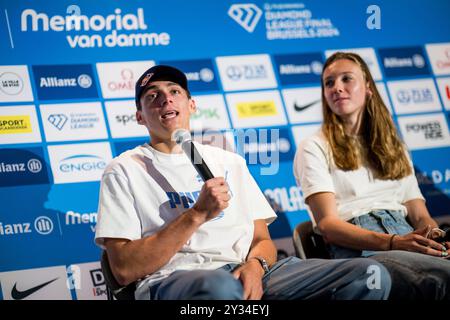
166	146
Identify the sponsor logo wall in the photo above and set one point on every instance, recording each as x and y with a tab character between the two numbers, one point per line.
254	72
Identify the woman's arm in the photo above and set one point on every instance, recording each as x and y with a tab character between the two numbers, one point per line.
418	214
336	231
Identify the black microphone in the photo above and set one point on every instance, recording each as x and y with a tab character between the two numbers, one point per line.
183	138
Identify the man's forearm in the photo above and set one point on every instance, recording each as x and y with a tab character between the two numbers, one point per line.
265	249
135	259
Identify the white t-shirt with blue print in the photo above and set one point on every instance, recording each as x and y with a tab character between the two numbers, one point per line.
143	189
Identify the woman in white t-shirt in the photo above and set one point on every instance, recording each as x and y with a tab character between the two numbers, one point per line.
359	184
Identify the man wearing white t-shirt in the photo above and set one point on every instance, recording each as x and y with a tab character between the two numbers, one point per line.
178	237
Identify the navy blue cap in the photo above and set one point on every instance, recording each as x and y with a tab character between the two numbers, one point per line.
159	73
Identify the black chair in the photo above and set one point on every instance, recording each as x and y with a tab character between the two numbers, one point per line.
113	288
308	244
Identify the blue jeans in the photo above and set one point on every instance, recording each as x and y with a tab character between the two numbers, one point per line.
288	279
414	275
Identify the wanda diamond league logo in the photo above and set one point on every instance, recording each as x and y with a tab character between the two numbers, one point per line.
246	15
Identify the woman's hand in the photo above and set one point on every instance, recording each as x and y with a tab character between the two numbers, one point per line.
417	241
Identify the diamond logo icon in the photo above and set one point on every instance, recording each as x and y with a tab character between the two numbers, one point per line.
246	15
58	120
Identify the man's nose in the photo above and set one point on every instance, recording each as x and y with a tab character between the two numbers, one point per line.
166	98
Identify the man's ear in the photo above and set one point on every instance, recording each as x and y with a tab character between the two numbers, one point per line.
139	118
192	106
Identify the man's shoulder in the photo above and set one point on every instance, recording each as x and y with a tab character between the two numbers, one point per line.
124	159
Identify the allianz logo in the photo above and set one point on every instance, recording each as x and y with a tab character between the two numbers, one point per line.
33	166
83	80
82	163
11	83
290	69
42	225
415	61
248	72
417	95
282	145
205	75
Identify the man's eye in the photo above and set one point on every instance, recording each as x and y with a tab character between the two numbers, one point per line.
176	91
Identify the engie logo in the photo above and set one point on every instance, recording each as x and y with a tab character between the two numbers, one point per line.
246	15
399	62
15	84
200	74
79	162
65	82
22	167
412	96
246	72
427	131
299	68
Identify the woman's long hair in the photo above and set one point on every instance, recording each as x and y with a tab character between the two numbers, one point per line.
385	151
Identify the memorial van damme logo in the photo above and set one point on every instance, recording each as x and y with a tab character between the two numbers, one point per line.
119	27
